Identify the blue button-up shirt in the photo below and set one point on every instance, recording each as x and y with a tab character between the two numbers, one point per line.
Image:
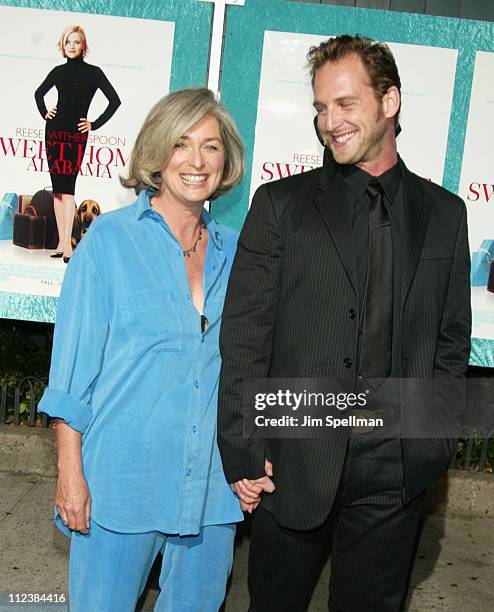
132	371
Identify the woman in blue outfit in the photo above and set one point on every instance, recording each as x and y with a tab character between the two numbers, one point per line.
134	374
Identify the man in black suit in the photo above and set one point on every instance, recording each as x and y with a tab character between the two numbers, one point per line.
358	269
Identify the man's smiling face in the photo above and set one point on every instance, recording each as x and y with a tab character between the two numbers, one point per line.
350	118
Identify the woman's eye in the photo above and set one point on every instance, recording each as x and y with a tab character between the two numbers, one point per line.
179	145
212	147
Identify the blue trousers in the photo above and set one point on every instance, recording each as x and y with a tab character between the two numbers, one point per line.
109	570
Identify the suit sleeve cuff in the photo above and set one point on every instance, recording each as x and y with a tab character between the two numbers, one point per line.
60	405
243	462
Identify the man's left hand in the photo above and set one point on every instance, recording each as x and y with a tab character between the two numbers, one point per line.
249	491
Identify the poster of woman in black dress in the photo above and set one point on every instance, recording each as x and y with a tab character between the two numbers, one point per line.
67	124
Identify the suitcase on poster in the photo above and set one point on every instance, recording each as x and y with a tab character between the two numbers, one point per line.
24	201
42	202
490	282
29	229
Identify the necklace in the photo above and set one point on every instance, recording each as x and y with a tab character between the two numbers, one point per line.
193	248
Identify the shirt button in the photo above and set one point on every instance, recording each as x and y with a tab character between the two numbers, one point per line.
347	362
188	297
196	384
194	429
351	313
360	377
188	472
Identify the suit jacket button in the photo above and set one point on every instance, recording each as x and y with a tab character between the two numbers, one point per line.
351	313
347	362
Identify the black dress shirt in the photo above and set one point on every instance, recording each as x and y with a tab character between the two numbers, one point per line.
356	181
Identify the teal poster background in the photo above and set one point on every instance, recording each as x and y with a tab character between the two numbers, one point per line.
242	68
192	21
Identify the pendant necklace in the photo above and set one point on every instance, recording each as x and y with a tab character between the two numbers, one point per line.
193	248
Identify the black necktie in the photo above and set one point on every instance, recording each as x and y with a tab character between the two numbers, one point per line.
377	325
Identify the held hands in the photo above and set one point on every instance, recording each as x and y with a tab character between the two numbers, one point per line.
73	501
51	113
84	125
249	491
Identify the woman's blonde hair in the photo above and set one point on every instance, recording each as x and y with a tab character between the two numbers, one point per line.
166	123
66	32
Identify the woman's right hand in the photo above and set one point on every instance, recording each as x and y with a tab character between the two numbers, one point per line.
51	113
73	501
71	494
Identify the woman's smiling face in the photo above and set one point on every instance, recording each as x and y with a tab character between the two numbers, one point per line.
196	166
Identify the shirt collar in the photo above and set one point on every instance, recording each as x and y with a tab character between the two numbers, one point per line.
357	180
143	204
144	209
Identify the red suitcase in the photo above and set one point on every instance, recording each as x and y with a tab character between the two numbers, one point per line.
29	229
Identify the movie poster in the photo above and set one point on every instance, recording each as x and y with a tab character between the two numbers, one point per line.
285	141
73	100
477	190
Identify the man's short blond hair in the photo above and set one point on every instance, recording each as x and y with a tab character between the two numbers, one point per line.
376	57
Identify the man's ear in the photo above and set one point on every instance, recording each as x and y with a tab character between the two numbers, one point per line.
391	102
318	133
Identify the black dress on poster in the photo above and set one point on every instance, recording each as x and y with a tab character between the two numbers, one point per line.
76	83
67	125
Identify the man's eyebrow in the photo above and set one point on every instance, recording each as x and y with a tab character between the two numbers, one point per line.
347	99
340	99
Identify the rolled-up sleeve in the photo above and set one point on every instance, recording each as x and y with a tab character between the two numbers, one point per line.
81	331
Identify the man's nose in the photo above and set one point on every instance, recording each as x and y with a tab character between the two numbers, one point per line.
330	120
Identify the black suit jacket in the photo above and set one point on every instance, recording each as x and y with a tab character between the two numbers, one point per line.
287	314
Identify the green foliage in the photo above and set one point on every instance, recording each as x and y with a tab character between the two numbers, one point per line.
25	351
477	448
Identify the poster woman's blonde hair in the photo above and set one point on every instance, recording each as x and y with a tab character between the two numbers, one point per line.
66	32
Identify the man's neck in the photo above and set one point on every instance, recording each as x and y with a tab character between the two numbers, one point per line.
386	158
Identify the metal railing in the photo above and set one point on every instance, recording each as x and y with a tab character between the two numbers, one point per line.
477	448
477	452
24	408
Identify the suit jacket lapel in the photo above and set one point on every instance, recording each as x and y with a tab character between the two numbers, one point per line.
416	216
331	202
333	207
